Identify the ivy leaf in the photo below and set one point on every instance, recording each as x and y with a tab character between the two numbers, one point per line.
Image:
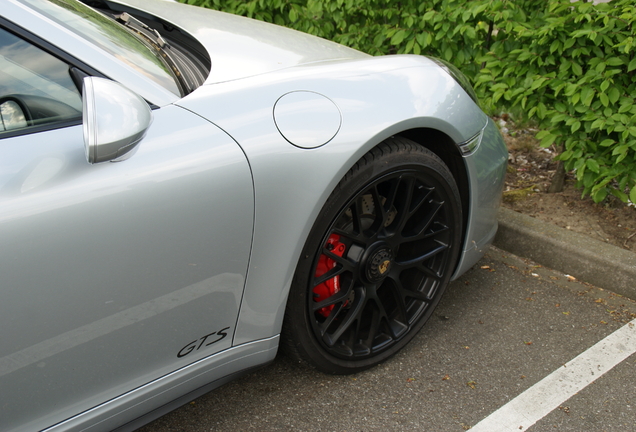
592	164
632	195
398	37
605	85
599	195
293	15
620	195
548	140
613	94
607	142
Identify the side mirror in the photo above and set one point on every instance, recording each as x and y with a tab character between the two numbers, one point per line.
115	120
11	115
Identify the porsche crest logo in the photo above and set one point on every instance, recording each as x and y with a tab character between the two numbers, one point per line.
384	266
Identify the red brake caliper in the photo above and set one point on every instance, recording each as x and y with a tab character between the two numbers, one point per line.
330	286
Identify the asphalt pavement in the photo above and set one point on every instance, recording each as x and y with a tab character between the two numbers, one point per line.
502	343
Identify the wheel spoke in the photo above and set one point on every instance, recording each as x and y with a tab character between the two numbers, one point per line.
430	273
405	292
419	201
338	297
403	212
351	316
374	326
424	234
328	275
392	193
346	264
354	236
330	319
399	298
414	262
356	213
426	222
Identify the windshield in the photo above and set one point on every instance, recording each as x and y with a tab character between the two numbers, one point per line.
108	35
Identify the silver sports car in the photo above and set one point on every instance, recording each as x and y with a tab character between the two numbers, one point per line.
184	191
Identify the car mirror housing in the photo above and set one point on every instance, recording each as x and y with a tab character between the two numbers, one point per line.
115	120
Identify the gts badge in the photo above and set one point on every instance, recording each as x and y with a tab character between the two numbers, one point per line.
206	340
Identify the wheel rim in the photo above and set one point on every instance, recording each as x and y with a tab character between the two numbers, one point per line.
381	265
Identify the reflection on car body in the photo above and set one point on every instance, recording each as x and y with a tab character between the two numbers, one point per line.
167	225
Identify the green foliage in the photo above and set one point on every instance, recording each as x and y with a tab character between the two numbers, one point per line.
571	67
568	66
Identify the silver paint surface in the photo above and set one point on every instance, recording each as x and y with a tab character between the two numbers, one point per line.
117	266
307	119
108	271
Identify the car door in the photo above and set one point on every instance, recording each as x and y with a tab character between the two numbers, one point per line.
116	274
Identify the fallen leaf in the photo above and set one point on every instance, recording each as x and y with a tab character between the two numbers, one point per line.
599	300
565	409
558	305
570	278
471	384
446	377
485	267
566	313
527	342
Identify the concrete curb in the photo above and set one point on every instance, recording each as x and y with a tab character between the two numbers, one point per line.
588	260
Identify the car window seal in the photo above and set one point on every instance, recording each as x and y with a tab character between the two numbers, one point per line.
41	128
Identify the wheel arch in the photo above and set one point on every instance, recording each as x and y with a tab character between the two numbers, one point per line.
444	147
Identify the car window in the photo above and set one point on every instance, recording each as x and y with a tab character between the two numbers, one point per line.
35	87
108	35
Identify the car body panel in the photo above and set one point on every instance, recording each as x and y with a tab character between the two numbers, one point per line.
241	47
362	91
124	275
120	266
488	167
153	399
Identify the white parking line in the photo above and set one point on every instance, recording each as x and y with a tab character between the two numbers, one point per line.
549	393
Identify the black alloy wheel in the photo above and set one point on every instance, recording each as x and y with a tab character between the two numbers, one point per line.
377	260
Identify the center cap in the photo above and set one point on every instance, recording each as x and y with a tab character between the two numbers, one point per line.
379	265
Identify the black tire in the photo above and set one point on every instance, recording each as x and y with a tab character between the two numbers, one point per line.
376	261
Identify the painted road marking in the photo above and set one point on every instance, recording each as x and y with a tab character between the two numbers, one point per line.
549	393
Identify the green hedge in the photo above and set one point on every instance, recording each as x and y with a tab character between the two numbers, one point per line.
568	65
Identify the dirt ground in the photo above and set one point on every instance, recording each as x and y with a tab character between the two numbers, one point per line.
530	171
